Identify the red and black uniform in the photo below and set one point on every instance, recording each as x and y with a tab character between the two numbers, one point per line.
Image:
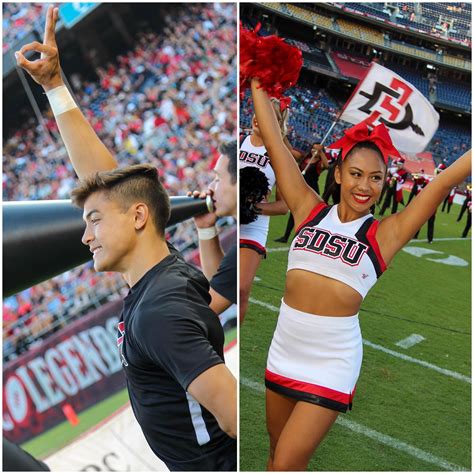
315	358
448	200
417	182
396	178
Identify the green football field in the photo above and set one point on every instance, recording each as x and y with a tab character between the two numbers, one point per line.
412	408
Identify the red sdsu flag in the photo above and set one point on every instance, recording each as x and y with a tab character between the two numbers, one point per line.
384	97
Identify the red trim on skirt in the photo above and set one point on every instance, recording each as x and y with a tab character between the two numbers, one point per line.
309	388
253	245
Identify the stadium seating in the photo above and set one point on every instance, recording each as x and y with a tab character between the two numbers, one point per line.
459	96
428	17
312	112
448	94
360	32
368	34
377	9
450	141
19	19
141	118
309	16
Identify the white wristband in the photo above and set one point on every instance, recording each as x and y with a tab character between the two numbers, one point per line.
207	234
60	100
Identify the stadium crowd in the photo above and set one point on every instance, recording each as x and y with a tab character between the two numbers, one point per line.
312	110
170	101
19	19
37	312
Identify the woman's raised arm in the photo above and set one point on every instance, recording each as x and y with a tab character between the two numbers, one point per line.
396	230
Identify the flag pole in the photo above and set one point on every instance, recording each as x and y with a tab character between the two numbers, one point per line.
356	89
322	142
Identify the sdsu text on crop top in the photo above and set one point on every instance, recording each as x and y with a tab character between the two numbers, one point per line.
345	251
257	157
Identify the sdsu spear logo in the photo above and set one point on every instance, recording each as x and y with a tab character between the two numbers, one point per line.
389	105
383	97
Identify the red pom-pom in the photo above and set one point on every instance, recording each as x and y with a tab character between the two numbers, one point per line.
273	62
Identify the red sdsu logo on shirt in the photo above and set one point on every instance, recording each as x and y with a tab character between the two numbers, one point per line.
120	338
323	242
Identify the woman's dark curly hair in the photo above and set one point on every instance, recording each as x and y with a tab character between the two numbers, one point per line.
253	186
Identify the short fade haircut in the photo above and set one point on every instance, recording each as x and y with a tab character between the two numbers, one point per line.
229	149
127	185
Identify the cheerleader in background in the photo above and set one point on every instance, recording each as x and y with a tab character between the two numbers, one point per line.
448	201
253	236
397	176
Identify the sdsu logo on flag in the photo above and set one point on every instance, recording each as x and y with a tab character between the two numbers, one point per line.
384	97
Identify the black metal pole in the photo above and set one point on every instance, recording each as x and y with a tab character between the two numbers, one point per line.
42	239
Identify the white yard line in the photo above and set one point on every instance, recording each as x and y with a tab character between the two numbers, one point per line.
410	341
428	365
448	373
376	436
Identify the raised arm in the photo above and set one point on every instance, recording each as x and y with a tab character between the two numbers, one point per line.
299	197
86	152
396	230
275	208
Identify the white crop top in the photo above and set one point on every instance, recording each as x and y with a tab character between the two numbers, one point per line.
345	251
256	156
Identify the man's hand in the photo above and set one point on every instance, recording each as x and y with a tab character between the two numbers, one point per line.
46	70
205	220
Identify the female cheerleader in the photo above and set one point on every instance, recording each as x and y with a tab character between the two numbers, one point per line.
336	257
253	236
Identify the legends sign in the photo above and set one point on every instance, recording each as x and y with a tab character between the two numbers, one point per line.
79	366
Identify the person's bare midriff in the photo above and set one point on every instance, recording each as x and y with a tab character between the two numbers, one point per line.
320	295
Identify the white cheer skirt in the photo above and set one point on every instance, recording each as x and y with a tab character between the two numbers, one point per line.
255	233
314	358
